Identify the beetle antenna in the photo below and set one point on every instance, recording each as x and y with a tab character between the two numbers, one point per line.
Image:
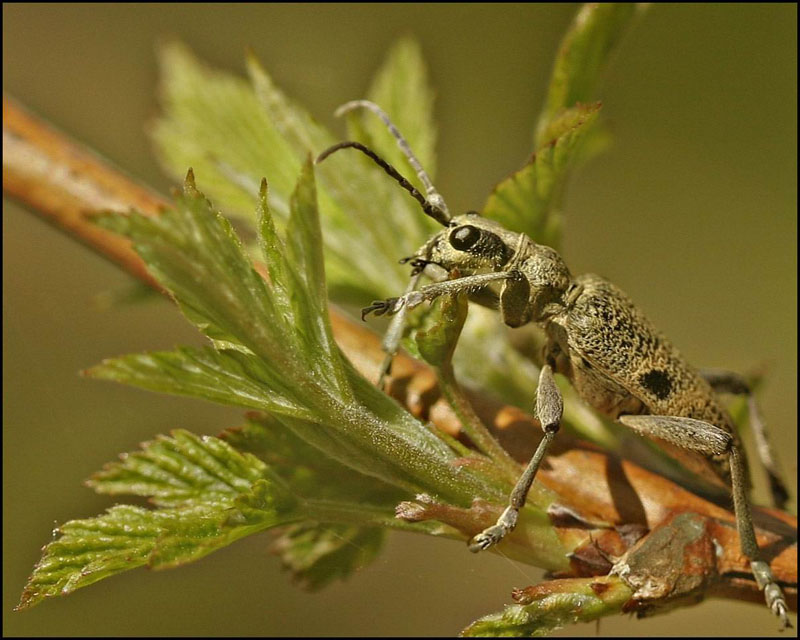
437	213
433	195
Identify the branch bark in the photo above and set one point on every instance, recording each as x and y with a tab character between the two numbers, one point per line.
607	505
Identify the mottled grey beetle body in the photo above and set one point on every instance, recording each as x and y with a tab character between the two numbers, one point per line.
614	357
619	363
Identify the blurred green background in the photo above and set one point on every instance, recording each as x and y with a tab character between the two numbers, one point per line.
692	212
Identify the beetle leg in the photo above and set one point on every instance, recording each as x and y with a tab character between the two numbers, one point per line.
411	299
696	435
549	409
729	382
394	334
701	436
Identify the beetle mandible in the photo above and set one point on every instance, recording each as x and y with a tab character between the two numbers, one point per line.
616	360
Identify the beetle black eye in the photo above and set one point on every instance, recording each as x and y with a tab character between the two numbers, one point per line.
464	237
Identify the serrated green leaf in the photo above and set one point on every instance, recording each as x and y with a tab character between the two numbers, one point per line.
214	494
90	550
582	58
212	121
234	134
526	201
227	377
555	604
182	469
126	537
304	254
311	472
401	89
195	254
349	218
319	554
368	221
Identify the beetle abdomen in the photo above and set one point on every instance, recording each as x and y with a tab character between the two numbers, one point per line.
621	364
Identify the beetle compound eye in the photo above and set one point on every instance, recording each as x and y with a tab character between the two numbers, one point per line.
464	237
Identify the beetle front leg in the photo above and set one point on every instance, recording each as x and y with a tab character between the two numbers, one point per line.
411	299
394	334
549	409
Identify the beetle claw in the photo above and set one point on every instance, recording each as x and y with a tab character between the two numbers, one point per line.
381	307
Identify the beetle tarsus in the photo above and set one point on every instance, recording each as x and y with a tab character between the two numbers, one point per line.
380	307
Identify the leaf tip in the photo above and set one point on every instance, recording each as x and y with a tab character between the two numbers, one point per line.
251	59
307	176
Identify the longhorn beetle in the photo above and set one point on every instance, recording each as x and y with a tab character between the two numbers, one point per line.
617	361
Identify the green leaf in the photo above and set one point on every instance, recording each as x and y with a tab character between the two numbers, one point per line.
212	121
526	201
402	90
196	255
350	221
233	134
438	337
582	57
219	495
368	221
283	327
318	555
182	469
225	377
553	605
304	254
311	472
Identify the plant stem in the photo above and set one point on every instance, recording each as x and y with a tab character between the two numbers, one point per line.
472	425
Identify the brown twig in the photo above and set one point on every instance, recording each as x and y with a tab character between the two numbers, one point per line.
606	505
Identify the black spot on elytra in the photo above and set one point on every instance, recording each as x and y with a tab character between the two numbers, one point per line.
658	382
